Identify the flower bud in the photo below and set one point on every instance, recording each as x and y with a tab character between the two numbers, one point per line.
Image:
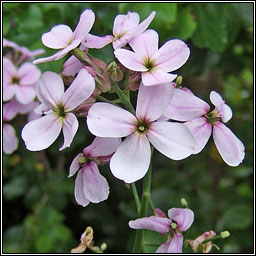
103	247
184	202
224	234
116	73
178	81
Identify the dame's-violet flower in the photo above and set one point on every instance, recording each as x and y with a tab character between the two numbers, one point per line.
90	185
153	63
62	37
185	106
39	134
132	158
161	224
19	82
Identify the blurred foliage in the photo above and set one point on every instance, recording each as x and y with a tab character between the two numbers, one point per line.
40	214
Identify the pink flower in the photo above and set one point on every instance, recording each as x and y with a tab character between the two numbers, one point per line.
19	83
39	134
132	158
126	27
185	106
90	185
10	141
153	63
62	37
161	224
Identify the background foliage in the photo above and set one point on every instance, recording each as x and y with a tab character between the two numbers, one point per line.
40	214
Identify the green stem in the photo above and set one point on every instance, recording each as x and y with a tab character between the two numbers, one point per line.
124	99
136	197
138	244
101	98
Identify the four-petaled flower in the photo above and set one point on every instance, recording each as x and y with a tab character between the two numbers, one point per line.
90	185
39	134
153	63
132	158
185	106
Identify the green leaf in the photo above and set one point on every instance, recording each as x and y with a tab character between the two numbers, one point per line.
16	187
211	31
6	26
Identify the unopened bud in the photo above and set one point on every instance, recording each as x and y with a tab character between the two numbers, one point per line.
103	247
178	81
224	234
184	202
115	72
174	225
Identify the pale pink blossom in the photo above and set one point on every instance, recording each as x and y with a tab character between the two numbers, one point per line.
153	63
185	106
39	134
19	83
90	185
132	158
126	27
63	38
161	224
10	141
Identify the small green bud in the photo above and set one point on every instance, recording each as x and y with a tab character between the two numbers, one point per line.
179	81
224	234
174	225
184	202
81	160
103	247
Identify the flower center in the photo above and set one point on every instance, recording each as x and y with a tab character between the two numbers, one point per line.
15	80
212	117
149	64
60	111
142	126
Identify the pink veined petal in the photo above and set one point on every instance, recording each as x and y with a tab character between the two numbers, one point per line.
106	120
72	66
174	140
25	94
185	106
63	52
80	90
79	190
163	247
132	158
152	101
50	89
10	110
176	243
84	25
102	147
75	165
130	60
156	76
226	113
28	74
70	126
183	217
96	188
98	42
124	23
216	100
46	59
201	131
229	146
58	37
9	70
155	223
39	134
172	55
8	92
10	141
146	44
159	213
41	109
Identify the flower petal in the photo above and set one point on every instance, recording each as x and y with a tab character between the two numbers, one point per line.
39	134
185	106
79	190
58	37
201	131
163	247
75	165
10	141
84	25
106	120
156	76
96	188
63	52
9	70
155	223
46	59
25	94
172	55
80	90
130	60
98	42
72	66
28	74
102	147
8	91
70	127
152	101
50	89
176	243
183	217
229	146
174	140
131	160
146	44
